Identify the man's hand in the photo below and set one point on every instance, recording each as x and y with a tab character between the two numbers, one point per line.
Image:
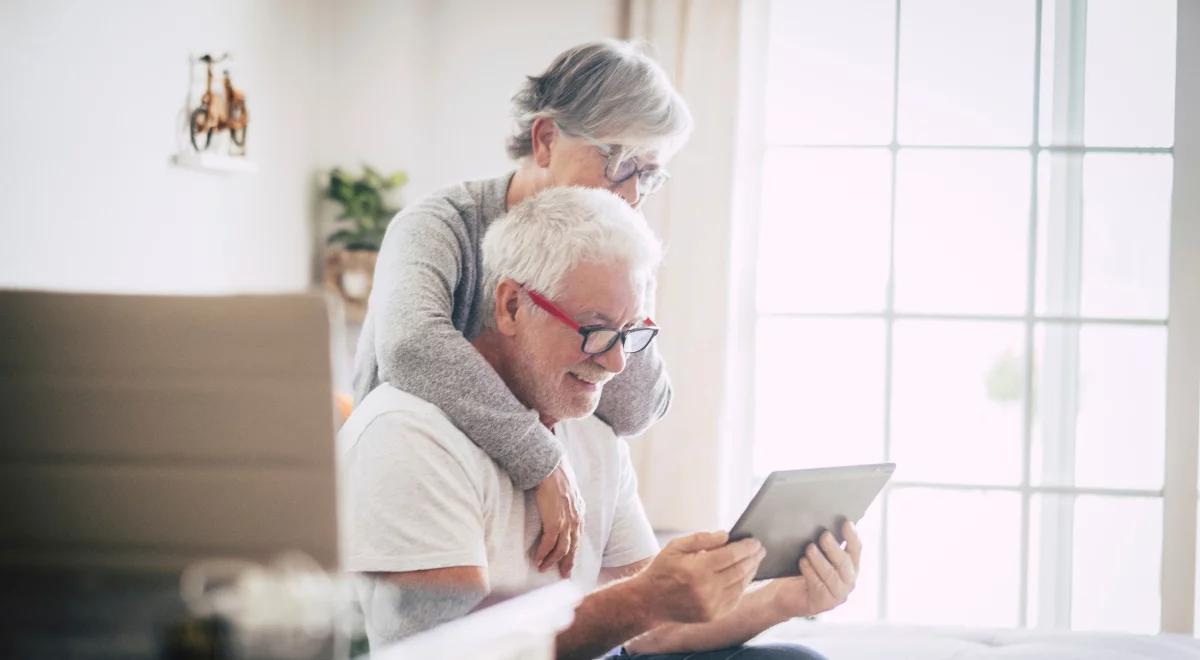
699	577
561	509
827	575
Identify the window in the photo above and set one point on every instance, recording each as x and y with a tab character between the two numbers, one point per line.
963	265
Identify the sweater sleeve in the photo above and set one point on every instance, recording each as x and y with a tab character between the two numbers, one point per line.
419	350
637	397
641	394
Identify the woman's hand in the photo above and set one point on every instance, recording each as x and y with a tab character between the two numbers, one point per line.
561	508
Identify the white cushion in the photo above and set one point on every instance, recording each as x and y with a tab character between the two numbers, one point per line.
878	641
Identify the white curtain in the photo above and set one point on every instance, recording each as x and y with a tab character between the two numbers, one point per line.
684	462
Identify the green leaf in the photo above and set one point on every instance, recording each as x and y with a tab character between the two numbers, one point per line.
372	177
397	179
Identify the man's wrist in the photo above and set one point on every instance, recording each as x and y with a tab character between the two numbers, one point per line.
781	600
641	594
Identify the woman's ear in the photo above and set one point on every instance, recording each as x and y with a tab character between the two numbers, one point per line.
508	302
543	133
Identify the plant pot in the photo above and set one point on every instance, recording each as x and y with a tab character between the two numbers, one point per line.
352	274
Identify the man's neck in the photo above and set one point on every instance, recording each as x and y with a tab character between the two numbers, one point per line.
489	346
527	182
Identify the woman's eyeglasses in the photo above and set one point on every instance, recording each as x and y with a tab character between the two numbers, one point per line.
622	167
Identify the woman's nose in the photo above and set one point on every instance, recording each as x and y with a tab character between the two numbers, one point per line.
628	190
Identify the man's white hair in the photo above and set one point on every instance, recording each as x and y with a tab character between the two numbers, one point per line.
541	239
608	90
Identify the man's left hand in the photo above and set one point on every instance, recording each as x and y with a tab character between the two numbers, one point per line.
828	573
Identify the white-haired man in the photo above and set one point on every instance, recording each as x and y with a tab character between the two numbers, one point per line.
440	524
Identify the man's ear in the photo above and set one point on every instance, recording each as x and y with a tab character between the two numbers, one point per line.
508	301
543	132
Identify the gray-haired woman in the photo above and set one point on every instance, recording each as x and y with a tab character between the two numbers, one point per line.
603	115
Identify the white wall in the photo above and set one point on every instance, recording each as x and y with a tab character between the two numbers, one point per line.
426	84
93	92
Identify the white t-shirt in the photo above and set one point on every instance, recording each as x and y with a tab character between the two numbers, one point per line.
418	494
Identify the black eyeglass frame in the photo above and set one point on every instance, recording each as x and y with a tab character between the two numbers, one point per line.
588	330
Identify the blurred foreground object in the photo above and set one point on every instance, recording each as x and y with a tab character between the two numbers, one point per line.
523	627
146	433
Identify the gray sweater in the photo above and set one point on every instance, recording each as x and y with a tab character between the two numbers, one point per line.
425	309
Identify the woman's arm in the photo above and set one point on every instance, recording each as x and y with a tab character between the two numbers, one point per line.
637	397
419	350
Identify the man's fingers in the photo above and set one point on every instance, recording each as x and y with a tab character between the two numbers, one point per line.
839	558
722	558
817	591
743	571
825	571
698	541
853	543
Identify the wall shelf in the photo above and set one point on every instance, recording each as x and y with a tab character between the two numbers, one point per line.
214	163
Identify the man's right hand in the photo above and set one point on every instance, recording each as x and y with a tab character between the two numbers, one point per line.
699	577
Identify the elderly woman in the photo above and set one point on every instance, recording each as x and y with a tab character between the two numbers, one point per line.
604	115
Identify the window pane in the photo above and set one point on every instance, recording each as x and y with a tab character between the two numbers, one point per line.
1105	253
966	72
1117	562
958	389
962	226
823	239
1102	555
953	557
818	393
829	72
1128	72
1100	418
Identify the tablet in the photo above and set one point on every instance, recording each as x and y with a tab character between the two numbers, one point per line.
793	507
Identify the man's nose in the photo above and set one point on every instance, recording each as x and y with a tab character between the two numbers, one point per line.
613	360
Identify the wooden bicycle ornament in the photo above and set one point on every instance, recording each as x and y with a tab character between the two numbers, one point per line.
218	112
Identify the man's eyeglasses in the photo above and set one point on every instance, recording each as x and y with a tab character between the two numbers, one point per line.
621	167
598	339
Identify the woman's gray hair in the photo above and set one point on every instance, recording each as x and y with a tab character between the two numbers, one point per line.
608	90
541	239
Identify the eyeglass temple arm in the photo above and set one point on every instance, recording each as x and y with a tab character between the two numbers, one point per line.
552	309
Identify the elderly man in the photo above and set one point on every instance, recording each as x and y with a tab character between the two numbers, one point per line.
429	513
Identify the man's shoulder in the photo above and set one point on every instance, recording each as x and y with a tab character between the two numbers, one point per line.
405	421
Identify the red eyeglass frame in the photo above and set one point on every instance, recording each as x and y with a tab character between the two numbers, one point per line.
557	312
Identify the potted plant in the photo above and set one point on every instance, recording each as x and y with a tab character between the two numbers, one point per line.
358	232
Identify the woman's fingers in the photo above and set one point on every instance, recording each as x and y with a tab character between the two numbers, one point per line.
562	546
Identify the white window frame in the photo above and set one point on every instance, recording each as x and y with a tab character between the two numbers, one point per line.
1182	449
1183	338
